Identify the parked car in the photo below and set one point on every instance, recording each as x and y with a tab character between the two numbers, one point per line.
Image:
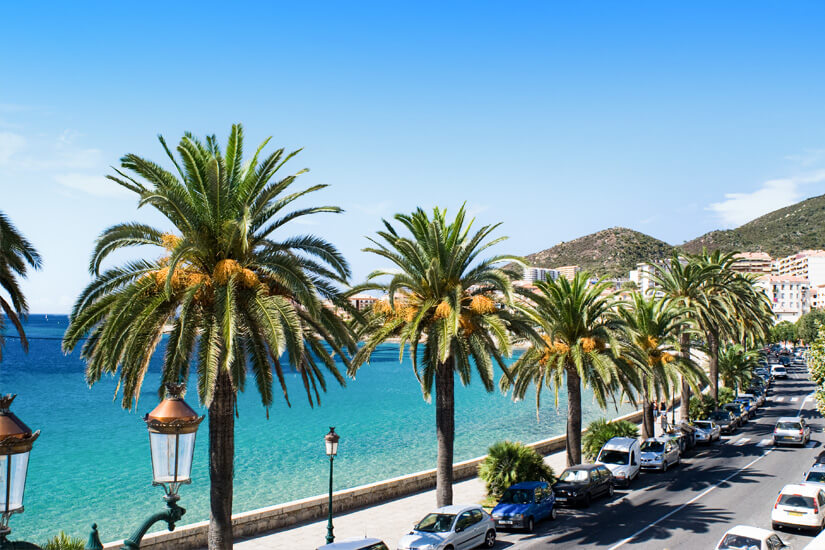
621	456
799	505
581	484
679	438
707	431
791	429
816	475
356	544
458	526
725	419
778	371
759	392
525	504
747	537
750	404
739	412
660	453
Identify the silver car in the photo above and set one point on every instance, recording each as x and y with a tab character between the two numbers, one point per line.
660	453
791	429
459	527
707	431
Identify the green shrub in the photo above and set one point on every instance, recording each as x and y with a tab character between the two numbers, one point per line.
64	542
510	462
701	407
601	430
726	395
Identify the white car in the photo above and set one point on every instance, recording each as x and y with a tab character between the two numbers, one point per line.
799	505
621	456
778	371
707	431
744	536
459	527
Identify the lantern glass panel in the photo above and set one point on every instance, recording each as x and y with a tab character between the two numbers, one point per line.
165	447
332	447
13	469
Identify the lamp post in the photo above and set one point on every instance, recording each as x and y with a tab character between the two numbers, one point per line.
172	428
16	440
331	442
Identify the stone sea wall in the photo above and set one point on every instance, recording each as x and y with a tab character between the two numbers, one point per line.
282	516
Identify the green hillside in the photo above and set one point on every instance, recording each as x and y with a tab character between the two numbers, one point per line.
611	252
780	233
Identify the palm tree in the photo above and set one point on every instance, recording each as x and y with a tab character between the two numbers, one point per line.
16	255
653	330
440	296
236	298
736	365
685	283
581	340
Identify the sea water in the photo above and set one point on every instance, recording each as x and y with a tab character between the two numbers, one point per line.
92	462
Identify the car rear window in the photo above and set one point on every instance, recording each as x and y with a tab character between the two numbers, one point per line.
737	542
797	501
788	426
816	477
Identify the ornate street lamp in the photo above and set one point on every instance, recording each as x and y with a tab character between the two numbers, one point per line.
172	429
331	442
16	440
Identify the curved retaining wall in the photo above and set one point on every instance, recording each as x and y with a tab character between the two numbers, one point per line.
282	516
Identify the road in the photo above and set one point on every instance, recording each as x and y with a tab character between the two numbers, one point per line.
732	482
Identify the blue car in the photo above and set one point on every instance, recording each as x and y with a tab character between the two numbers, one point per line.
525	504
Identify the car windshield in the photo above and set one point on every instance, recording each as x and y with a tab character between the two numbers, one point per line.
436	523
816	477
653	447
614	457
574	476
788	426
720	415
796	500
739	542
517	496
702	425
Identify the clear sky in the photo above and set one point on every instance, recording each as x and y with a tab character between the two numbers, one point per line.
556	118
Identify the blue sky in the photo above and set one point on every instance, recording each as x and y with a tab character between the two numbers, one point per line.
557	119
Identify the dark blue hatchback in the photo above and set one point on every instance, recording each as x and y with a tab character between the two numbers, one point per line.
525	504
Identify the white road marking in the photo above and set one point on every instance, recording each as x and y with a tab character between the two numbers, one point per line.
765	443
740	442
778	399
688	503
803	403
794	399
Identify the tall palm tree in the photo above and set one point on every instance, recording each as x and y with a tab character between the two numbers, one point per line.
17	255
581	341
653	329
736	365
236	292
441	297
686	283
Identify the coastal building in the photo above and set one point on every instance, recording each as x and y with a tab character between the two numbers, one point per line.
533	274
753	262
362	302
816	297
789	296
568	271
809	264
641	276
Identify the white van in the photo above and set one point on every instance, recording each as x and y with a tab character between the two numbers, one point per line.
621	456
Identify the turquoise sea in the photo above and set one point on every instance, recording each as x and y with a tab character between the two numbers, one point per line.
92	464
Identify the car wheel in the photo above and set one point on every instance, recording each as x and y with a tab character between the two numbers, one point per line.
553	513
610	490
586	501
664	466
490	539
530	525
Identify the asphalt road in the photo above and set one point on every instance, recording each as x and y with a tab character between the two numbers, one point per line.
732	482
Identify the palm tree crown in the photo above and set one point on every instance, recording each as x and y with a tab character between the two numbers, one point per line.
16	255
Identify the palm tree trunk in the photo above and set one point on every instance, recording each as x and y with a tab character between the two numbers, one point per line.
648	424
574	417
445	428
684	406
221	455
713	364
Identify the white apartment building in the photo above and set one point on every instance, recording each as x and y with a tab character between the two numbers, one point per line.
789	296
809	264
753	262
641	276
534	274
